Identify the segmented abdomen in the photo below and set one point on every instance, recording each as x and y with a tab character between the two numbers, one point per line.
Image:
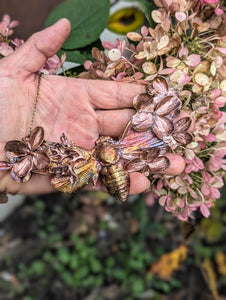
116	180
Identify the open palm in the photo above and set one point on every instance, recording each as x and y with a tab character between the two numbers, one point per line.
82	109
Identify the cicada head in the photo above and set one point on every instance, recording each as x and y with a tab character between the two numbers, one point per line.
106	151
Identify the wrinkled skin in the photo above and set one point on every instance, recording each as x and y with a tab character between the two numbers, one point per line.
80	108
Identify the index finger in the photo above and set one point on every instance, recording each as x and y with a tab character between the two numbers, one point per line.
104	94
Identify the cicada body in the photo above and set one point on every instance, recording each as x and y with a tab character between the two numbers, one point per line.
113	173
116	180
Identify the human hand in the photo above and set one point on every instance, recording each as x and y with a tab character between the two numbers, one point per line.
82	109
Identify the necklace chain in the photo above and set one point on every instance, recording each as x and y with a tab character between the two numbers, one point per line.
36	102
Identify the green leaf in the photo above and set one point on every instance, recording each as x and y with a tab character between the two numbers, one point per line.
119	274
74	262
96	266
147	7
88	19
80	55
68	278
162	286
73	56
137	285
37	267
64	255
224	108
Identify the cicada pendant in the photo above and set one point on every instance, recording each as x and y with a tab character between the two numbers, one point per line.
113	173
116	180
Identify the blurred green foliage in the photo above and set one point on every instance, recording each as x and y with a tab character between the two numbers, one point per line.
93	257
89	18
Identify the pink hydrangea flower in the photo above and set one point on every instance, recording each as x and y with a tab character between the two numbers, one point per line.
193	165
53	64
6	26
5	49
211	185
217	161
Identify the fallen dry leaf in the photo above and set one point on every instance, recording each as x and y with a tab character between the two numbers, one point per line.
169	262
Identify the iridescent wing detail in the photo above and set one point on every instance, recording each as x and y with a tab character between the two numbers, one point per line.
133	142
79	177
87	172
63	184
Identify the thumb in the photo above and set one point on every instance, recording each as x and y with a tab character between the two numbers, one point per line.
32	55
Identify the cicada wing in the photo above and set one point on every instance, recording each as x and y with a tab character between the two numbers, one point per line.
63	184
75	175
117	180
133	142
86	172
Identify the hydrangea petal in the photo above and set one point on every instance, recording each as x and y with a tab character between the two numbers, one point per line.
142	121
23	167
40	162
167	105
204	210
205	189
16	149
159	164
36	138
160	85
162	126
182	137
183	124
193	60
143	102
180	16
135	165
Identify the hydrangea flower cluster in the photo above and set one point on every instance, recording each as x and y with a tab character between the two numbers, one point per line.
187	50
8	46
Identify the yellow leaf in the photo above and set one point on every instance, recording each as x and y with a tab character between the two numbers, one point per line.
207	265
221	262
169	262
125	20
